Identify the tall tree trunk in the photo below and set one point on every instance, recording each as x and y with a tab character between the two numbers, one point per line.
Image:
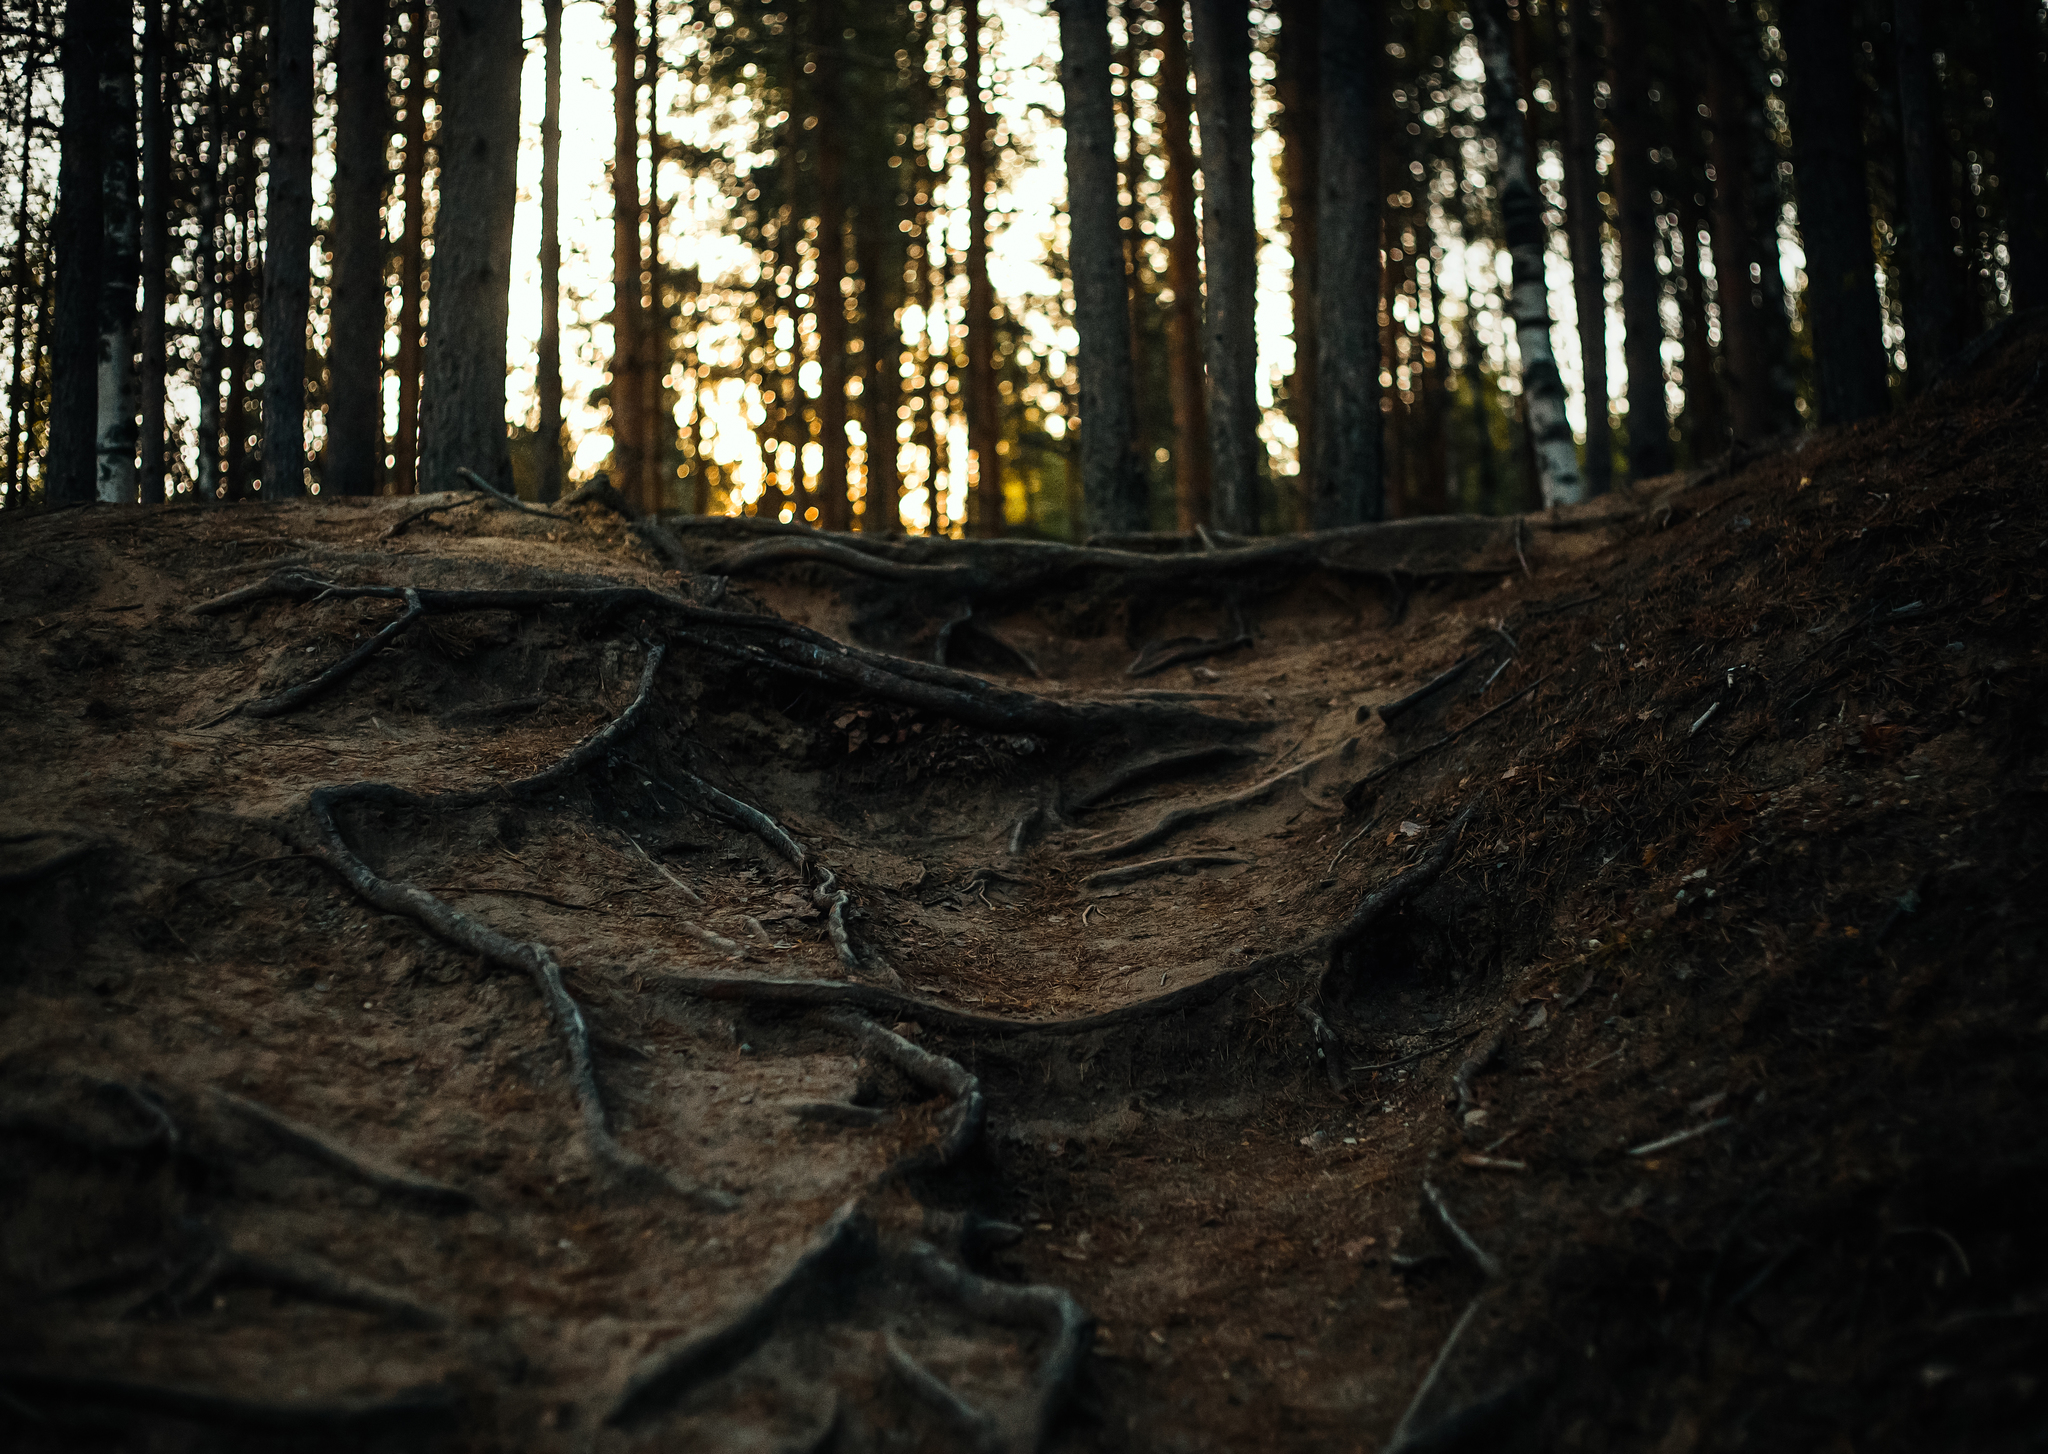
355	349
657	336
240	305
1298	63
120	390
1139	297
405	447
1642	287
628	390
1550	431
2017	84
881	356
1230	248
462	400
924	293
550	365
1112	477
1347	485
156	167
984	427
19	275
207	282
835	510
287	260
1192	476
1823	105
1738	260
1706	417
1933	317
71	467
1432	483
1583	218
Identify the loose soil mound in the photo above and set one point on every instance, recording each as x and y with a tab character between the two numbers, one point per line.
500	980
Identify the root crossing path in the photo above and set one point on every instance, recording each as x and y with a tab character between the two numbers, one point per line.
471	985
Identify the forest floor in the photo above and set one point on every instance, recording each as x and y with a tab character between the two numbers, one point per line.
709	1037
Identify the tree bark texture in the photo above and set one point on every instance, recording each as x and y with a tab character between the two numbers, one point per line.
207	282
120	387
1823	104
355	348
71	466
287	258
1348	488
657	335
156	167
549	368
405	452
628	391
1738	257
835	510
1584	219
1192	476
1230	248
881	391
1298	63
1933	315
1112	477
2021	114
984	425
462	399
1642	286
1550	430
1706	417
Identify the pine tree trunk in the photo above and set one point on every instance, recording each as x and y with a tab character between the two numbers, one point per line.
405	446
1298	62
1738	265
1706	417
835	510
1583	219
1112	477
550	365
71	467
657	337
1642	286
1432	483
881	358
207	283
462	399
1932	314
1550	431
120	389
984	426
1192	476
1223	104
2017	84
287	259
355	349
628	391
156	166
1348	488
1823	105
19	278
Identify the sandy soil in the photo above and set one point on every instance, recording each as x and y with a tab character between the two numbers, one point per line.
1728	836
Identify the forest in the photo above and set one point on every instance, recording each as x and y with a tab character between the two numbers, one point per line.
1023	725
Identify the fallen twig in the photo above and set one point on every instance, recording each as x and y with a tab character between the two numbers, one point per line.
1664	1143
1355	794
398	527
663	869
1187	865
1422	1054
512	502
936	1394
1406	1426
1475	1065
671	1371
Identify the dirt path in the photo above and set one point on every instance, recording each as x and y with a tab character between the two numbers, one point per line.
711	1036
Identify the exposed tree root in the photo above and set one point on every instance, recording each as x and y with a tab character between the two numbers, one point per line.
431	1407
1188	864
783	646
1052	1310
1397	891
43	868
1390	712
291	698
1175	819
936	1394
1158	656
666	1375
1487	1264
935	1072
1474	1066
392	1181
1158	765
450	501
1354	796
510	502
308	1277
1401	1439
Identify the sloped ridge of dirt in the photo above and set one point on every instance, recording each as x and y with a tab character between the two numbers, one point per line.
1569	983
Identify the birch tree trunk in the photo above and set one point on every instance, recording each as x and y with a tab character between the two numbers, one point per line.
287	260
1230	250
355	348
120	387
71	466
462	399
1550	432
1192	476
1112	478
1347	485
